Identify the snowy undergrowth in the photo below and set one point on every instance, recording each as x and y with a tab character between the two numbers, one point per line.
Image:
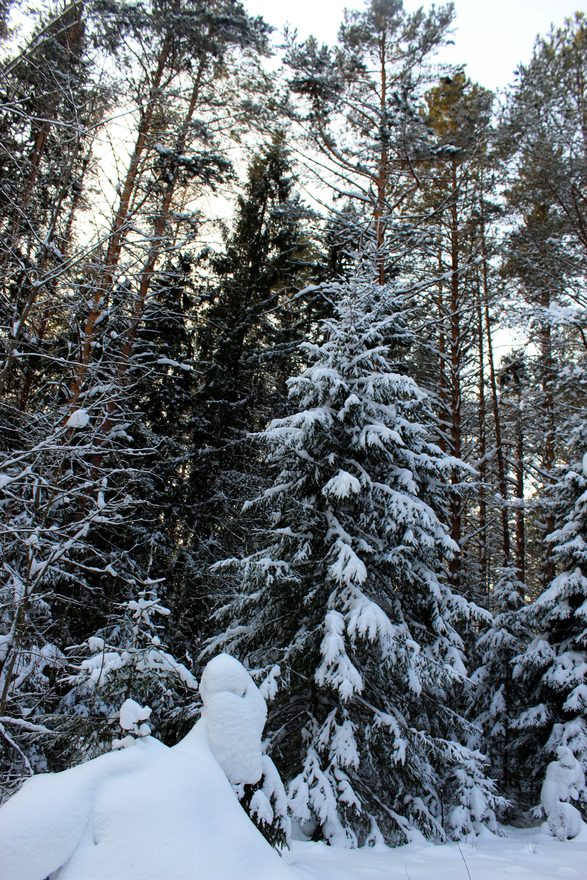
149	812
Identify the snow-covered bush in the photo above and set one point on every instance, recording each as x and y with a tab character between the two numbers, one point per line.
564	781
127	661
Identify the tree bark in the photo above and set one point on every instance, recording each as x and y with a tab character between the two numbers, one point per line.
119	227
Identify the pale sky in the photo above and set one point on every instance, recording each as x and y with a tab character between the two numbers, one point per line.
492	36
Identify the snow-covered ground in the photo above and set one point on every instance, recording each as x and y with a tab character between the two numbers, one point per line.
528	854
149	812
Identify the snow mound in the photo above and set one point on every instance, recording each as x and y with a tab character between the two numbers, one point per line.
150	812
235	714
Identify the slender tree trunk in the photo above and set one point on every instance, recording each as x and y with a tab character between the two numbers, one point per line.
456	525
520	523
119	226
442	378
548	449
499	450
483	553
382	169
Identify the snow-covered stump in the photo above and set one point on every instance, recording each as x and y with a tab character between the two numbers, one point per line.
235	713
564	781
150	812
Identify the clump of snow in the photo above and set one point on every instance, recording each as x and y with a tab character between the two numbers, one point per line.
133	718
131	715
336	667
78	419
342	485
235	714
270	684
564	781
151	812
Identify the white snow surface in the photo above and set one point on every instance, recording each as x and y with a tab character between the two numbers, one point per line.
235	714
522	854
148	812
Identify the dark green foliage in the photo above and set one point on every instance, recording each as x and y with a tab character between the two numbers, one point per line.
250	324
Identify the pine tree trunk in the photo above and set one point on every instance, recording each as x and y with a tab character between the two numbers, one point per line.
548	449
442	378
499	450
119	226
456	526
382	169
481	408
519	476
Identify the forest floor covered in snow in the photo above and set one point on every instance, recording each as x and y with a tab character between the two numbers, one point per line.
149	811
527	854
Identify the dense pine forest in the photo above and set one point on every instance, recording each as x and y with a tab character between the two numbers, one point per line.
293	366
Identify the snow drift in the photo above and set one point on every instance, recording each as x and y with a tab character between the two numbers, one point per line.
151	812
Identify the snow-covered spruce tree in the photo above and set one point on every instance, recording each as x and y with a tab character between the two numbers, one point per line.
126	661
495	696
345	606
553	669
246	341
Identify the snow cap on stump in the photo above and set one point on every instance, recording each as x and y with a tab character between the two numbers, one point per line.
235	715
